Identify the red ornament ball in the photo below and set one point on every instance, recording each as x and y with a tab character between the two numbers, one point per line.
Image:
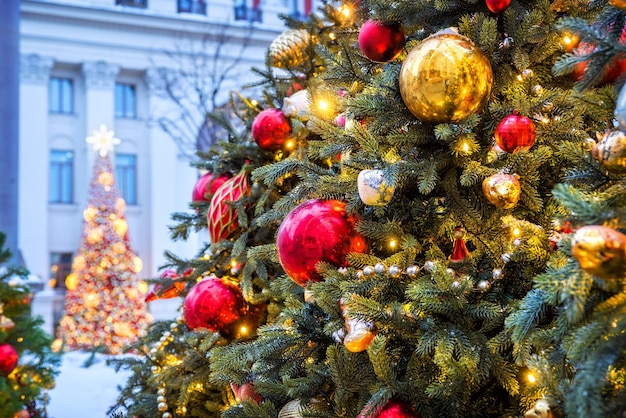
205	184
270	129
393	409
613	70
213	304
397	409
497	6
222	216
380	41
314	231
515	133
8	358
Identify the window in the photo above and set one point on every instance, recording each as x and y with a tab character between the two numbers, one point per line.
134	3
125	101
61	95
126	177
61	176
60	267
192	6
252	14
296	5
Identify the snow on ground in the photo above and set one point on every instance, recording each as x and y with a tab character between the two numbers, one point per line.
84	392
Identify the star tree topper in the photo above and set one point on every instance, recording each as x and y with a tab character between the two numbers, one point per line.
103	141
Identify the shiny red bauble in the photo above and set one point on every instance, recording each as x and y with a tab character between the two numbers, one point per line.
381	41
515	133
397	409
393	409
8	359
314	231
497	6
614	69
213	304
270	129
222	216
207	185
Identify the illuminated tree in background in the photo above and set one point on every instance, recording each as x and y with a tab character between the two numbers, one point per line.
104	307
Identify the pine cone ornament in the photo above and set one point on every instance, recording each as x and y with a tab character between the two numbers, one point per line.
222	217
289	48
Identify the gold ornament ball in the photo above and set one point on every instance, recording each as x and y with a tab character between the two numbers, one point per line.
445	78
610	151
289	48
600	251
503	190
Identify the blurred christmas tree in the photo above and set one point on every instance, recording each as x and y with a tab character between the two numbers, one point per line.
440	158
104	307
27	364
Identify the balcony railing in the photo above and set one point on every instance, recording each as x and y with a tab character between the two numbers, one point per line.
243	12
192	6
133	3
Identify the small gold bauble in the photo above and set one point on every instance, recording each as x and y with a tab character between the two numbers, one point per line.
289	48
541	409
445	78
373	189
503	190
610	151
292	409
620	4
600	251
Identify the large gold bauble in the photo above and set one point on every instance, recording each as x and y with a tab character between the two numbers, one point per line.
289	48
600	251
445	78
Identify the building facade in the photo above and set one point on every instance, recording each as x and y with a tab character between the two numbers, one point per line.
84	63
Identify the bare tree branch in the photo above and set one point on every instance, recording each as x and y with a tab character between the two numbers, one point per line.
193	80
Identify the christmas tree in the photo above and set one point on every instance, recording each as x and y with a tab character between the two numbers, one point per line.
27	364
104	307
442	237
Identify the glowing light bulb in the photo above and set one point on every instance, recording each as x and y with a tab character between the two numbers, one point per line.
516	232
322	105
345	10
393	243
290	144
531	378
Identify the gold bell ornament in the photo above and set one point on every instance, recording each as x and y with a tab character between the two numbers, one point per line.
289	48
600	251
610	151
445	78
503	190
373	189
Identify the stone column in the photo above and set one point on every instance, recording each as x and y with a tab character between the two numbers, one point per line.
100	79
166	186
34	163
9	135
